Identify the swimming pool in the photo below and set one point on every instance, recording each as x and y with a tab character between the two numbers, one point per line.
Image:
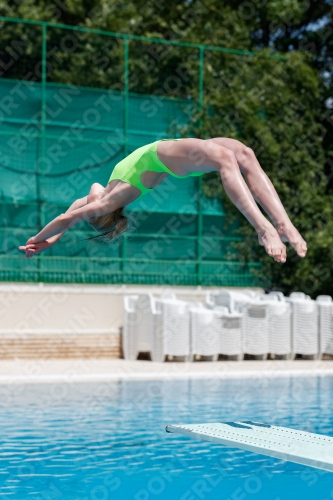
108	440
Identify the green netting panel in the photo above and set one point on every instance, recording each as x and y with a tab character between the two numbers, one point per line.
212	248
63	183
23	216
161	248
21	100
11	238
211	206
50	269
172	268
75	244
215	225
89	108
170	224
83	270
232	274
18	179
78	265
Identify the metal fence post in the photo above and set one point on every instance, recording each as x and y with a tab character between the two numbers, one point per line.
40	161
200	214
124	257
200	232
126	106
43	112
201	75
126	103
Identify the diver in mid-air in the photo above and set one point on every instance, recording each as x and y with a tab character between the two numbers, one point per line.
148	166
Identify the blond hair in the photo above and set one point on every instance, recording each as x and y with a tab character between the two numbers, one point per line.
110	225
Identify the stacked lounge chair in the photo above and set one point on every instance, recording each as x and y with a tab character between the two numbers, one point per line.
130	350
279	324
231	340
172	334
205	332
325	310
304	325
234	301
216	331
230	323
255	325
145	319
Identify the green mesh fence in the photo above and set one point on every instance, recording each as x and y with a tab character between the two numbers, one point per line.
65	123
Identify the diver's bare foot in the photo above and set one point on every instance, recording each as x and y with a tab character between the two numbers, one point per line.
270	239
288	232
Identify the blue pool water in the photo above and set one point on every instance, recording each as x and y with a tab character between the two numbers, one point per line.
108	441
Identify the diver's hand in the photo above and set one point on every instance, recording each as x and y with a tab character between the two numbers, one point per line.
31	248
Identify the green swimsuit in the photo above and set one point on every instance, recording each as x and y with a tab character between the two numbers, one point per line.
145	158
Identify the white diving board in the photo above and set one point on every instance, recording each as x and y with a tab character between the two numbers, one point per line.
314	450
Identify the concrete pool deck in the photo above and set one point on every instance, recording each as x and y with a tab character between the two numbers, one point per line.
95	370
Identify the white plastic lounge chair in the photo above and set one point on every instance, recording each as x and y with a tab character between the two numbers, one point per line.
299	295
325	306
278	295
234	301
279	328
168	296
305	332
231	340
279	324
206	331
171	335
139	324
145	328
256	329
249	293
268	298
129	337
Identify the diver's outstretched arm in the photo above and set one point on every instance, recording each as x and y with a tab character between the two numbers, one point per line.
67	220
120	196
32	249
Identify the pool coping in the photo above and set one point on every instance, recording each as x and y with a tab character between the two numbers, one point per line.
108	370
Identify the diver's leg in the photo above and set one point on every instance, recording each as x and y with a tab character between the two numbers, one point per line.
264	192
184	157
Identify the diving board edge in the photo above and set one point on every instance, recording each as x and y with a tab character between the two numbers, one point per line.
248	447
